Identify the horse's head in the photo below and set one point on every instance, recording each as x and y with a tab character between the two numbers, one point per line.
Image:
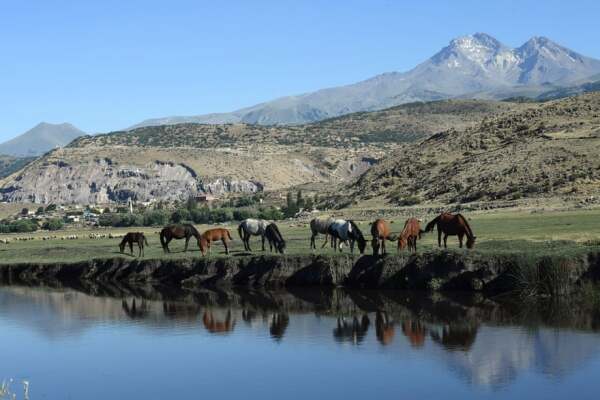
202	244
402	243
281	246
471	242
362	244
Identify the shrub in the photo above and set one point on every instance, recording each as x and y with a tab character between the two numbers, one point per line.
180	215
53	224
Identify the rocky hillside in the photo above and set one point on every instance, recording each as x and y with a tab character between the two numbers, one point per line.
547	150
10	164
175	161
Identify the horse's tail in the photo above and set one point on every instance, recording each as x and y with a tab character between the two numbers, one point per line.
467	226
432	224
162	239
421	232
240	228
229	234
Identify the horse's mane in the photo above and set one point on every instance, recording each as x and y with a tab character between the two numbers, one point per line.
276	229
431	225
356	229
193	229
467	226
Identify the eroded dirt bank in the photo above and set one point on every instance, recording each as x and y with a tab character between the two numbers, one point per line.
437	270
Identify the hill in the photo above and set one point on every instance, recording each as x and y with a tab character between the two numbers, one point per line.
10	164
473	66
175	161
40	139
548	150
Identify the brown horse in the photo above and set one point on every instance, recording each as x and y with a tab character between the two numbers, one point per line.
213	235
409	235
381	231
131	238
177	231
450	224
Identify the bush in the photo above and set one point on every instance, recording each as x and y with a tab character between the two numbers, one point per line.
271	213
19	226
51	207
201	215
53	224
242	214
155	218
183	214
221	215
409	201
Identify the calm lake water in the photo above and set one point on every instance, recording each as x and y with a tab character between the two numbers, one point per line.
142	343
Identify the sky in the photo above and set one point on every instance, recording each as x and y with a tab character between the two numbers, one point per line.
106	65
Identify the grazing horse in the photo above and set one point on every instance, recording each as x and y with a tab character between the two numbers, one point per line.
320	225
177	231
347	231
252	227
409	235
213	235
381	231
134	237
274	238
450	224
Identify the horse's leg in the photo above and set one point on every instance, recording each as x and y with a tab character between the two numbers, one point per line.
445	241
351	246
262	238
247	239
460	240
384	251
131	247
187	240
312	241
225	244
439	238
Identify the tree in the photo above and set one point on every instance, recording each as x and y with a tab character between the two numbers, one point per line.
25	211
299	200
181	215
51	207
40	211
53	224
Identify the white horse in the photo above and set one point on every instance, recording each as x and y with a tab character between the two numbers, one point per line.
320	225
252	227
347	232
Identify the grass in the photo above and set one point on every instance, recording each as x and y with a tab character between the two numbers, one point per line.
565	234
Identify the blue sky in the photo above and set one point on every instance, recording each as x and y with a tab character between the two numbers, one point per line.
105	65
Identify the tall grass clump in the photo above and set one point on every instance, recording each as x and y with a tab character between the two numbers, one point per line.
547	277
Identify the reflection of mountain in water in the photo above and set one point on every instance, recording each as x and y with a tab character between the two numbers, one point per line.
480	340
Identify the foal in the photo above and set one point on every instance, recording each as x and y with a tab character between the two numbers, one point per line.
213	235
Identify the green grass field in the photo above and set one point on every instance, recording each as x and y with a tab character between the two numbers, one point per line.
551	232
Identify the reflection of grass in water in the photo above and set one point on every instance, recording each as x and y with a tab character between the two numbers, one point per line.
5	391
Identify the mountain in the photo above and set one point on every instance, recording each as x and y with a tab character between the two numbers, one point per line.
548	150
40	139
473	66
171	162
11	164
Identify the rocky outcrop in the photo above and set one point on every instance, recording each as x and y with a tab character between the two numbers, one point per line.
437	270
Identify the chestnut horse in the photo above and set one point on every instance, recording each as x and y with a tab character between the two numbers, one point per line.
450	224
381	231
177	231
409	235
213	235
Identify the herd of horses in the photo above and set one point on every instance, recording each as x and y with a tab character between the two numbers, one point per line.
337	233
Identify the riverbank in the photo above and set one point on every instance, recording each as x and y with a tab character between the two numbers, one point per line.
440	270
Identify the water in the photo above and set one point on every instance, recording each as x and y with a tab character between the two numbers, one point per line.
142	343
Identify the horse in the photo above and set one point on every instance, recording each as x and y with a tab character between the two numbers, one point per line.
274	238
213	235
347	231
455	225
252	227
134	237
178	231
381	231
409	235
319	225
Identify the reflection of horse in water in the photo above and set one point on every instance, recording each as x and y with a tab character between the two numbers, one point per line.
353	332
415	332
134	311
181	311
384	328
456	337
214	325
248	316
279	324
